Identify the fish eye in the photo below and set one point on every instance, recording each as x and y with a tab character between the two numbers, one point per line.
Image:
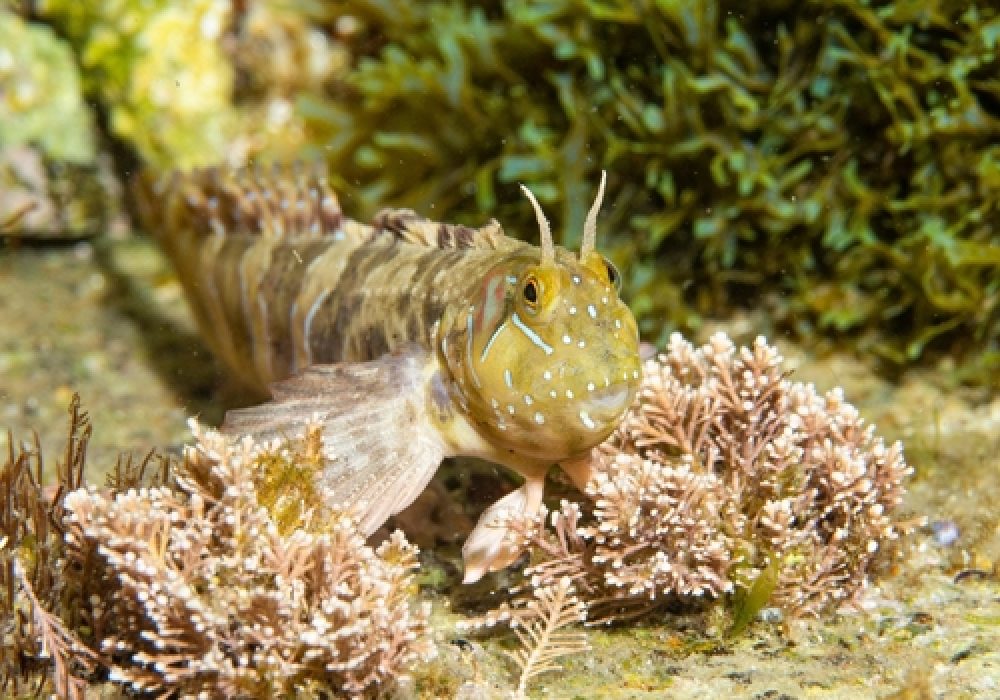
530	291
614	277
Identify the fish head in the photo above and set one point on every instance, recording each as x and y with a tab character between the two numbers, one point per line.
548	362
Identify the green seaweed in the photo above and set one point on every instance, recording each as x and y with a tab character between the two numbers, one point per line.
749	601
836	164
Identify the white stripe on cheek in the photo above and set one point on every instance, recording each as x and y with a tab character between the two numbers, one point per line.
532	336
489	343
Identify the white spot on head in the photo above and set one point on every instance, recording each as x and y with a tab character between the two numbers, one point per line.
510	408
547	374
582	344
592	310
618	323
572	311
508	379
495	404
539	418
569	393
553	394
587	420
604	300
576	279
528	400
591	386
635	374
567	340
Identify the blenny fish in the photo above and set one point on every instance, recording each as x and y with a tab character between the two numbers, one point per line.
407	340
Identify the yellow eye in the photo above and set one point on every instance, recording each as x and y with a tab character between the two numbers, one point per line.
530	291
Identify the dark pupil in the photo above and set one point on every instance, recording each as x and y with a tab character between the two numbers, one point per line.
531	292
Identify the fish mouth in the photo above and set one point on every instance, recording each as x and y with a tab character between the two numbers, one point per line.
608	403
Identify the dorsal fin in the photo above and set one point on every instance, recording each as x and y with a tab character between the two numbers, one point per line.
407	225
293	200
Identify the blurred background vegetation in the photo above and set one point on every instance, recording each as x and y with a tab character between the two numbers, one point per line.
832	166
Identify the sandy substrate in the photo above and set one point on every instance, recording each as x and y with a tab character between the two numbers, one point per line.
112	326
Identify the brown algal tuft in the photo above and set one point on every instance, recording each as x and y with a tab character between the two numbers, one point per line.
214	594
727	477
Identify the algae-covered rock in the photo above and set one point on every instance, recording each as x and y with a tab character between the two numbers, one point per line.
49	180
161	72
41	101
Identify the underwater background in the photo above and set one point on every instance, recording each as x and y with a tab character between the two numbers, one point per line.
826	174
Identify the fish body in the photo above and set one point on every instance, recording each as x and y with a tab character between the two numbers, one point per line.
408	340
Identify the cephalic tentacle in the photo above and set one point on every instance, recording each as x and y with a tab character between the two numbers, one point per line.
544	231
590	225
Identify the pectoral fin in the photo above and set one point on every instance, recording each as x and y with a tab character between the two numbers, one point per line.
381	444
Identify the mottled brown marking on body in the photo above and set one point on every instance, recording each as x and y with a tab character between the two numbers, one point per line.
281	279
281	286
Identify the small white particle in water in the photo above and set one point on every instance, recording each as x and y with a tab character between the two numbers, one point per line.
572	311
569	393
539	418
587	420
547	374
567	340
528	400
590	386
592	310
